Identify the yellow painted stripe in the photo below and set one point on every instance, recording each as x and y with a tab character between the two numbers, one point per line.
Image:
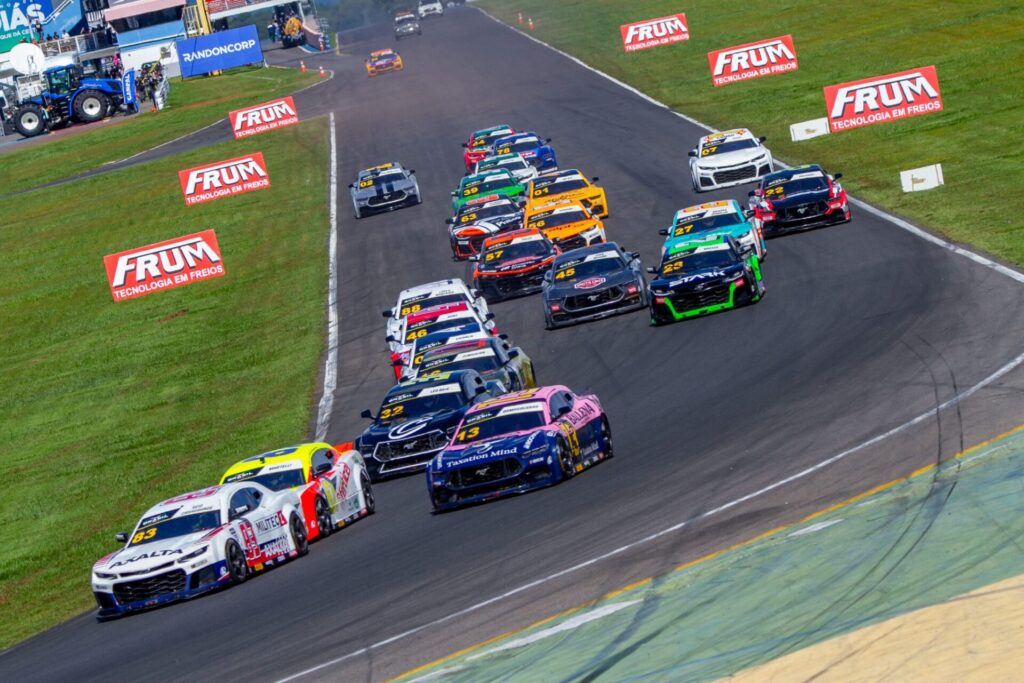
710	556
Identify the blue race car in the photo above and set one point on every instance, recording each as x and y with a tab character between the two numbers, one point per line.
724	217
536	150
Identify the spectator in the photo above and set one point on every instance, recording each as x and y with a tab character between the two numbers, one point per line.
39	29
65	34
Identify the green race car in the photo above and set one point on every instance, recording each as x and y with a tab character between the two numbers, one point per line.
495	183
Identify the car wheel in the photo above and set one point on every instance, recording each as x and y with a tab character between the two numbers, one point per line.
368	499
299	537
237	567
323	517
606	437
564	459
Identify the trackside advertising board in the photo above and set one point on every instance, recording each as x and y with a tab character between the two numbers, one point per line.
883	98
219	51
752	60
17	17
263	117
649	33
224	179
164	265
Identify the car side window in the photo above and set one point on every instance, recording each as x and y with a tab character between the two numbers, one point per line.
240	499
557	403
320	458
255	497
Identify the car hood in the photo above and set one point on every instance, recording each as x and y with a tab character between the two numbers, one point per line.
384	188
730	158
699	278
512	445
592	284
418	426
149	556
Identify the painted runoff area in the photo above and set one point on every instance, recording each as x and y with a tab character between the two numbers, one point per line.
913	543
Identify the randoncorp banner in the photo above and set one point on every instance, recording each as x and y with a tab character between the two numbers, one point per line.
224	179
218	51
649	33
263	117
752	60
164	265
883	98
17	17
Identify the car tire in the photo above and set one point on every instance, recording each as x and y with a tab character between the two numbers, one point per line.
238	569
367	489
606	437
565	462
323	517
299	537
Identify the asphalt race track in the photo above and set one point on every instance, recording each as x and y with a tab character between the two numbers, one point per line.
864	327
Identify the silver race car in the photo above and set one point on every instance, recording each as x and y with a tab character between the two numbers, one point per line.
384	188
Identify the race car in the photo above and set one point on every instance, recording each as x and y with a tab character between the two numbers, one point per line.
383	61
593	283
409	364
429	7
429	321
513	264
384	188
514	162
702	276
422	297
495	182
406	24
731	157
724	217
332	484
481	142
198	542
801	198
417	419
568	184
566	222
495	359
479	219
518	442
538	152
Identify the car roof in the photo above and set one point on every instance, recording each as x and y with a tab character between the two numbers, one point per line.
442	288
583	252
710	208
386	52
727	136
557	207
489	174
787	173
440	310
695	242
523	396
555	176
202	500
389	167
492	129
513	236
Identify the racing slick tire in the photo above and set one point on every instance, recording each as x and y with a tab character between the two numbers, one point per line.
91	106
299	538
238	570
367	489
564	457
606	437
29	120
323	517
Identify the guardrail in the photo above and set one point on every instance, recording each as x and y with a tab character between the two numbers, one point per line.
86	42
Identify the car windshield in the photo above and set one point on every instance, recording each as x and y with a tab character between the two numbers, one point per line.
489	138
403	403
550	219
488	424
159	528
390	177
798	184
488	186
723	147
690	261
404	21
542	190
415	305
482	360
702	223
511	251
601	263
275	481
477	213
521	145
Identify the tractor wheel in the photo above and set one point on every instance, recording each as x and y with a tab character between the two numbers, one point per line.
29	120
91	105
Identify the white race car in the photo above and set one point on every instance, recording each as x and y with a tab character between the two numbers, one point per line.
520	167
198	542
433	320
731	157
429	295
428	7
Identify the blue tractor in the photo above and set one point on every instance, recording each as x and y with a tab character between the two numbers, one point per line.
68	97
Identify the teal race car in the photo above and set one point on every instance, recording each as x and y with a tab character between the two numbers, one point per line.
494	183
704	275
724	217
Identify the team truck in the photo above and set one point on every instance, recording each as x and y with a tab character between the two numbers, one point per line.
67	97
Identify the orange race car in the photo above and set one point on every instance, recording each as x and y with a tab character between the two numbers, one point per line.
382	61
513	264
567	184
566	222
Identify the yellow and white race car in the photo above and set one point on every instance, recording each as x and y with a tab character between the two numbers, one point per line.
567	184
566	222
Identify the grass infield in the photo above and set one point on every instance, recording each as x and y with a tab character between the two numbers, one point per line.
975	47
193	104
109	407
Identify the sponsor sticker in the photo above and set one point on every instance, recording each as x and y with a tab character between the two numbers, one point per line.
164	265
224	179
589	283
642	35
881	99
263	117
752	60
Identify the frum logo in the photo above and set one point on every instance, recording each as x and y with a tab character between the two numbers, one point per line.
883	98
753	60
225	178
164	265
263	117
654	32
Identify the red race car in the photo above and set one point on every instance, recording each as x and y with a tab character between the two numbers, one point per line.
481	144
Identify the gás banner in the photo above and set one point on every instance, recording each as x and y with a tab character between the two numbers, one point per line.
224	179
752	60
883	98
218	51
128	89
649	33
164	265
263	117
17	17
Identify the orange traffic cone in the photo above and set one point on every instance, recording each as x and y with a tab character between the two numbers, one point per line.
520	18
302	66
322	74
530	23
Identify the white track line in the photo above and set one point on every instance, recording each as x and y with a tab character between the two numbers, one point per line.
331	363
898	222
930	414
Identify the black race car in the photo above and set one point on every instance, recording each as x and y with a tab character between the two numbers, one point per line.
513	264
797	199
417	419
480	219
591	283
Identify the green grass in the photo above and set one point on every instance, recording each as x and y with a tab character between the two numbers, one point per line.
108	407
193	104
975	45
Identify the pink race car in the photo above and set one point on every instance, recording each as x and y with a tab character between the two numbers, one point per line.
518	442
